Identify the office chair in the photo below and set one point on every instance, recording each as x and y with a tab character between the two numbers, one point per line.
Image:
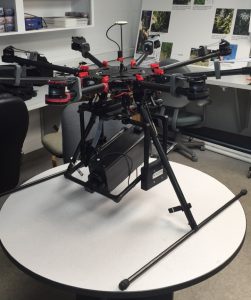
71	132
179	118
70	124
14	121
52	142
63	142
249	173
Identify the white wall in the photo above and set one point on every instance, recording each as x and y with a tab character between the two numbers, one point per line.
193	27
56	46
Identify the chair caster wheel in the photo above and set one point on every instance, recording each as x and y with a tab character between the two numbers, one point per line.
202	148
194	158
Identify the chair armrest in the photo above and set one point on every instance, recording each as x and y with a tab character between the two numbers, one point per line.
203	102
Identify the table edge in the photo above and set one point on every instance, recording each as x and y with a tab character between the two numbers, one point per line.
124	294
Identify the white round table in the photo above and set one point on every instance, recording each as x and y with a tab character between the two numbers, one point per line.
58	232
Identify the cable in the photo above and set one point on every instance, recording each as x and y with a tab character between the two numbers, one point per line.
110	38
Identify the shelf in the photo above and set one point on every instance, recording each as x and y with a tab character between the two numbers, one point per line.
44	30
46	8
9	33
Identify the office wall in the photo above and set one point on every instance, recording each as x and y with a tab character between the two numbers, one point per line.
57	45
192	25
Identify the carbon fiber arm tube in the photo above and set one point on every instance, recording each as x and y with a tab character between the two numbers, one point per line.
27	62
94	89
155	86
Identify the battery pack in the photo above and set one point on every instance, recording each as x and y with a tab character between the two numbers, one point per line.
117	160
152	175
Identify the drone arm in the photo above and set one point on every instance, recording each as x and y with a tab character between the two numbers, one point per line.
79	44
92	58
10	57
224	49
141	59
154	86
102	87
240	71
189	61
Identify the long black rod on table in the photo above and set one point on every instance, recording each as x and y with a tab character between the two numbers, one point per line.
30	184
124	284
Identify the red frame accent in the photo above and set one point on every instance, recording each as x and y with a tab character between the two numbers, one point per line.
83	74
120	59
139	77
106	79
105	63
154	66
84	68
133	63
58	100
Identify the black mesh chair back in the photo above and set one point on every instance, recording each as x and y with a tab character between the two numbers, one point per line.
14	120
71	135
179	118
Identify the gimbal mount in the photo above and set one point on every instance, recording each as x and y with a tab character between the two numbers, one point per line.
127	95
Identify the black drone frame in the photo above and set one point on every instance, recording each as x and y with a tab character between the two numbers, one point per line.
141	90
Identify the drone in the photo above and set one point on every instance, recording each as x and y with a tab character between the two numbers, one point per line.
128	94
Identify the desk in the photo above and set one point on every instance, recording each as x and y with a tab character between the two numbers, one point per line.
242	97
61	234
234	81
228	118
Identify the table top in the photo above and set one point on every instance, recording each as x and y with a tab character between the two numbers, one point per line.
60	233
234	81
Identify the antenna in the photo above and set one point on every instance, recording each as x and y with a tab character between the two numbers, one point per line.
121	22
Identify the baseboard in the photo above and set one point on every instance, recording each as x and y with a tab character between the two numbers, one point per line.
227	151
